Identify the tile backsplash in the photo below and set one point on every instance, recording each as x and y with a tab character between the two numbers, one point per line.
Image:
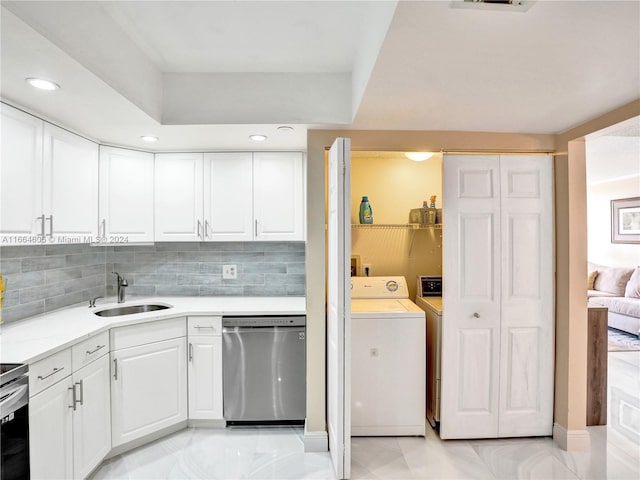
43	278
192	268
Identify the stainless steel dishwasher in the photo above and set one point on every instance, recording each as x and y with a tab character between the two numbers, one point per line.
264	369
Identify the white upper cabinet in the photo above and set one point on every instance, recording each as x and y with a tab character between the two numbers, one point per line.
278	200
228	187
178	197
126	196
70	186
49	181
20	173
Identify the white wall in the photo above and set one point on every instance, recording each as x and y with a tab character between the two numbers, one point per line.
613	172
600	249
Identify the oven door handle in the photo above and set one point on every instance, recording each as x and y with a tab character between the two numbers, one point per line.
13	399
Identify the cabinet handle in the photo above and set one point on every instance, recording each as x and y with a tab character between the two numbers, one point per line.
41	218
81	401
256	227
191	352
476	315
205	326
104	227
73	397
91	352
199	228
206	228
55	370
50	219
115	369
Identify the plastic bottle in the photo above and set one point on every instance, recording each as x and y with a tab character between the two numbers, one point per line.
366	213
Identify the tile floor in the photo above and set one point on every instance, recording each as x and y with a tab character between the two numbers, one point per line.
277	453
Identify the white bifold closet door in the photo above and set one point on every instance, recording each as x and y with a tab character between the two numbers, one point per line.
498	324
339	307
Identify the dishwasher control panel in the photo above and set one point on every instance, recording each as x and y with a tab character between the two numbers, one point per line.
265	321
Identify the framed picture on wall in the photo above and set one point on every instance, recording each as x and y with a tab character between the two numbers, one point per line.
625	220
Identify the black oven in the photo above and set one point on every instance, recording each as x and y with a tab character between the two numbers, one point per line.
14	410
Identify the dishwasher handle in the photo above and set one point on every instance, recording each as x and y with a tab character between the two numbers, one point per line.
271	330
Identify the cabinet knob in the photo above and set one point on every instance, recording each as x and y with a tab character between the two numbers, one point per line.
476	315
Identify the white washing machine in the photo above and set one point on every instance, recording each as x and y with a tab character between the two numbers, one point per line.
388	359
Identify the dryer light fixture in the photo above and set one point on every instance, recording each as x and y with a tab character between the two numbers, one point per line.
418	156
258	137
149	138
42	84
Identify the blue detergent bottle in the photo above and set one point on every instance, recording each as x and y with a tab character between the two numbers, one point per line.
366	213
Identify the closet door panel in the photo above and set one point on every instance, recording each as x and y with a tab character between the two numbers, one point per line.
471	332
526	377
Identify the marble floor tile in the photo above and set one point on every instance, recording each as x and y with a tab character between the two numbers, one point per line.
278	453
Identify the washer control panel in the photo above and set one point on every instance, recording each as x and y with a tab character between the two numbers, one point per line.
379	287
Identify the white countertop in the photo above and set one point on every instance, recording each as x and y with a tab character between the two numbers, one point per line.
31	339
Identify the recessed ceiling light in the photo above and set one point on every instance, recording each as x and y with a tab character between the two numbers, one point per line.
149	138
42	84
418	156
258	137
285	129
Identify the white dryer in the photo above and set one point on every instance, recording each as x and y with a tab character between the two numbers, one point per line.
388	359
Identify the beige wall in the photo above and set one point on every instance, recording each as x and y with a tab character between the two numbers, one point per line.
399	141
394	185
571	267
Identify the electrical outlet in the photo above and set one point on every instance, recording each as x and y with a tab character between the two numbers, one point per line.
229	272
366	269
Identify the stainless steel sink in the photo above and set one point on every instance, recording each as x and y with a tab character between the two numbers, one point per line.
131	309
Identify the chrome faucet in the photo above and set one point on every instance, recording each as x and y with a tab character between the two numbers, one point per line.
122	283
92	302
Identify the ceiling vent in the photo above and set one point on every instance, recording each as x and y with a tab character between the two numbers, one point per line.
498	5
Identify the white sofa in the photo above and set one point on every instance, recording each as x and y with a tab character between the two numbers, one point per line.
618	289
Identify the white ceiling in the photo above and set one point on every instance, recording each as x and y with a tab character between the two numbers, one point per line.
204	75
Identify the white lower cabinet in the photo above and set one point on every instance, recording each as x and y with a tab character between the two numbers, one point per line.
148	388
91	417
205	377
69	421
205	367
51	432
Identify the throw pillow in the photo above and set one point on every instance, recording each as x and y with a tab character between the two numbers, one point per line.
633	285
591	279
612	280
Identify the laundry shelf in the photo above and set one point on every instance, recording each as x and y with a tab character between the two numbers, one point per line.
406	226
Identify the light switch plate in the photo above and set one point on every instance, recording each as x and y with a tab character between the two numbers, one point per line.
229	272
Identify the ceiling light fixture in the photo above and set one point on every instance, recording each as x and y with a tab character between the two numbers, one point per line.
418	156
285	129
149	138
42	84
256	137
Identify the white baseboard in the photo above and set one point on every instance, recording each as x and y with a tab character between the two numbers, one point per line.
571	440
315	441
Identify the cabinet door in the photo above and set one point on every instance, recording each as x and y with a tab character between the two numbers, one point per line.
205	377
178	197
148	389
20	174
70	188
228	207
471	297
278	201
126	195
91	417
50	432
527	319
